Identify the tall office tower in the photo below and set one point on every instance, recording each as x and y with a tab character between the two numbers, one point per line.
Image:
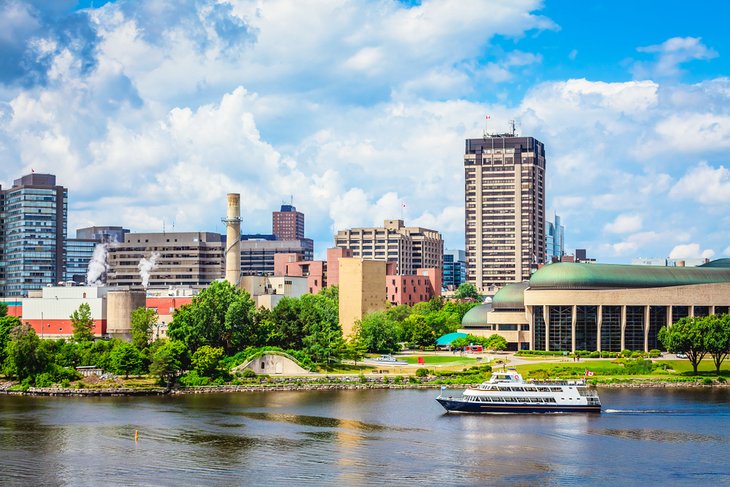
34	217
505	209
554	239
288	224
454	269
411	248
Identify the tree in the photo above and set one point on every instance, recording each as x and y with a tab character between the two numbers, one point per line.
467	291
207	320
125	358
3	310
717	340
686	336
324	343
83	324
167	361
24	354
7	323
496	342
142	319
354	350
417	331
290	328
205	360
377	333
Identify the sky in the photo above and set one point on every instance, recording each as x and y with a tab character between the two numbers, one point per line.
150	112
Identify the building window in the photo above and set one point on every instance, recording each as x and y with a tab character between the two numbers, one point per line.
561	324
657	319
679	312
538	324
586	328
634	333
611	329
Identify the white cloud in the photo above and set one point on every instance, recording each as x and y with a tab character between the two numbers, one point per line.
690	251
670	54
624	224
726	251
705	184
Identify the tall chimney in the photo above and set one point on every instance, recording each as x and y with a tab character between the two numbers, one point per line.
233	239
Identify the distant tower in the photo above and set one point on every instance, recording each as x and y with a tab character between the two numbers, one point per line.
288	224
233	239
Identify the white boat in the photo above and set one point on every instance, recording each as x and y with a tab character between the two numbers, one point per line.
387	360
506	392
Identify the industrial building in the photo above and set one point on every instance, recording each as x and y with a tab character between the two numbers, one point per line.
505	209
410	248
604	307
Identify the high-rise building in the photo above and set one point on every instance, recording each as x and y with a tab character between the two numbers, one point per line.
288	223
172	258
362	290
33	222
454	269
505	209
102	234
554	239
410	248
257	255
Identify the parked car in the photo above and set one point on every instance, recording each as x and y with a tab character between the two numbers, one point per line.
682	355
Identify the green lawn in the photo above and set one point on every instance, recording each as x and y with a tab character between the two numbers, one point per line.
606	369
442	360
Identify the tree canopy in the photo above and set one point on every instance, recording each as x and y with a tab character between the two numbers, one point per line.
686	336
83	323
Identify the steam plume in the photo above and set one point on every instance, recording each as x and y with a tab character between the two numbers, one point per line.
146	266
98	267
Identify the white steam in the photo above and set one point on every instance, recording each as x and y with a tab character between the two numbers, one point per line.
98	267
146	266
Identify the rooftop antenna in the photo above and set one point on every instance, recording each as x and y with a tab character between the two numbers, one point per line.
512	126
486	126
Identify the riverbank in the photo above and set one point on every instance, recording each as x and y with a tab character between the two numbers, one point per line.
313	384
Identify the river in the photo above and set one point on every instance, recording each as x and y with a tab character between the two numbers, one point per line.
362	437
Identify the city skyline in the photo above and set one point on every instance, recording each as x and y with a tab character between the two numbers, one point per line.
148	113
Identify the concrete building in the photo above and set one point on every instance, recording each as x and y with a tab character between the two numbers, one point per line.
314	270
670	262
454	269
410	248
33	225
361	290
267	291
554	239
182	259
257	256
288	223
605	307
417	288
505	209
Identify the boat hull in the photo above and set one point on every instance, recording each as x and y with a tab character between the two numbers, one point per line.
457	406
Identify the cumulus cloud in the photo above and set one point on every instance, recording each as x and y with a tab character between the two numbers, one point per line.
670	54
705	184
690	251
624	224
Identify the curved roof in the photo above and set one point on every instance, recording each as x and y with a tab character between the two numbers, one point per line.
450	337
477	316
718	263
512	296
569	275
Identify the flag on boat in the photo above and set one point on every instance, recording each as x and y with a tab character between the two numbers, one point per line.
589	373
443	388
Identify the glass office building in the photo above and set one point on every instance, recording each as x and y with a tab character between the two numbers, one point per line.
454	268
33	220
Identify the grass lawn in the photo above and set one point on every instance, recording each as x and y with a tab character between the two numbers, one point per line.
442	360
605	369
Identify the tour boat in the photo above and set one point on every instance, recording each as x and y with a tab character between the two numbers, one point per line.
506	392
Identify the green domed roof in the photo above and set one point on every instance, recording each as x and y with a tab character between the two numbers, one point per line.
512	296
568	275
723	263
477	316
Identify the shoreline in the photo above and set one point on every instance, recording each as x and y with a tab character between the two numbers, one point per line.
298	386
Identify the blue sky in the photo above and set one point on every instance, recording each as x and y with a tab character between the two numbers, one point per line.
151	111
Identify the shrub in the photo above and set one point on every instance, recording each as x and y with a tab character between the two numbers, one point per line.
398	379
654	353
43	380
65	383
707	381
422	372
721	380
362	378
248	374
193	379
594	354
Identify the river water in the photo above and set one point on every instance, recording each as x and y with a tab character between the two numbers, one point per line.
350	438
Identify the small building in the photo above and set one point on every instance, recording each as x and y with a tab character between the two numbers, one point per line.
273	363
412	289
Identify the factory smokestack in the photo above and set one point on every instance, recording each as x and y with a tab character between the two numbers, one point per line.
233	239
